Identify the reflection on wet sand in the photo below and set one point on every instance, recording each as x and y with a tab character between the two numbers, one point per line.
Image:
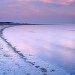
46	43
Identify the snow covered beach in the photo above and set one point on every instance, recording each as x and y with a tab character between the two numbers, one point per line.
26	50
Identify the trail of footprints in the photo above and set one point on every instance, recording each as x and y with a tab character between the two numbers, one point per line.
43	70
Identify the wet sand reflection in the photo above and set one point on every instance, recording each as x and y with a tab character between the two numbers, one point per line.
48	43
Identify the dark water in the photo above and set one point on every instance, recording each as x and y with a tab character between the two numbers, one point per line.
52	44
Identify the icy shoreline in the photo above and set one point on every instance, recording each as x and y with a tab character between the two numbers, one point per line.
24	67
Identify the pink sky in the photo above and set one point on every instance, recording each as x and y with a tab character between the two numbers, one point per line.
39	11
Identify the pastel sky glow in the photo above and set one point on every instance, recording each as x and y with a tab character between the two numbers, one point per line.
38	11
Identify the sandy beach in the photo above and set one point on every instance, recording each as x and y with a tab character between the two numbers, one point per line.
14	61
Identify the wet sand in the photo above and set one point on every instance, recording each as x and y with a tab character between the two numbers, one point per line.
20	63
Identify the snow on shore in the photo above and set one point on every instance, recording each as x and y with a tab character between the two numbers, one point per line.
12	62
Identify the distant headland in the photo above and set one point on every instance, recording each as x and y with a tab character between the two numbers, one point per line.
13	23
